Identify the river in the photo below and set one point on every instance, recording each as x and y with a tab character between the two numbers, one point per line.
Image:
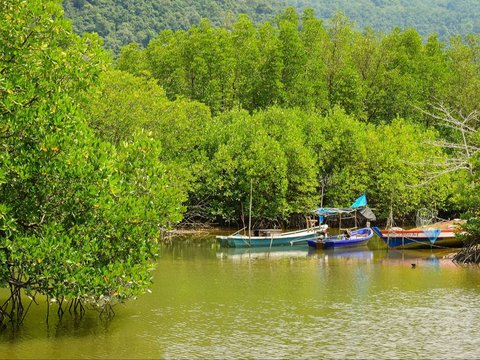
291	302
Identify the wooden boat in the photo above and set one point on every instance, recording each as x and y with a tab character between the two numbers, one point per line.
352	238
441	234
272	237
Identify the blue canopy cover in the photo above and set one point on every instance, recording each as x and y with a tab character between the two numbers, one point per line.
360	202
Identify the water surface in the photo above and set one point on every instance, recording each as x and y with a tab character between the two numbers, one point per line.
290	302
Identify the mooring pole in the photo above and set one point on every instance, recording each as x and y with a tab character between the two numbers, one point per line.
250	212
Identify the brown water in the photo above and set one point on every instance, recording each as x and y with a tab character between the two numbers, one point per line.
286	303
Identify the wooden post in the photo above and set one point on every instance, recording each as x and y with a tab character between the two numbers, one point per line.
250	211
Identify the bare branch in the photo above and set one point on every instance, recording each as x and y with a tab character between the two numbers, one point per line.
435	175
465	149
448	145
447	119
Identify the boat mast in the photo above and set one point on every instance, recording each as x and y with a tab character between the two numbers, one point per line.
250	211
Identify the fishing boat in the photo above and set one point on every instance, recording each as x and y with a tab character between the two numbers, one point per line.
273	237
352	238
440	234
348	237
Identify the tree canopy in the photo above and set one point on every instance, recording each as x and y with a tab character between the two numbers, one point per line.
312	95
302	62
79	217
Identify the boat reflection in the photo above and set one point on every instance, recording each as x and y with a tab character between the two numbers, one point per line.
344	255
359	255
256	253
428	257
362	254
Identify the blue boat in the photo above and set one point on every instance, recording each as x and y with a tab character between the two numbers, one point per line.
352	238
358	211
269	238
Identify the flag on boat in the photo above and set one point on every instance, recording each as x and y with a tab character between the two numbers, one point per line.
360	202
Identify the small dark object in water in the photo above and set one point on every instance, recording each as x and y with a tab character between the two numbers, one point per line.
414	266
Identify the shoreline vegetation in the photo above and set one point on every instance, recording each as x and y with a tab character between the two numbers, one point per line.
102	156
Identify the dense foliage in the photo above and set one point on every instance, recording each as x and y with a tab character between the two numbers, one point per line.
307	64
287	155
445	18
302	108
79	217
122	22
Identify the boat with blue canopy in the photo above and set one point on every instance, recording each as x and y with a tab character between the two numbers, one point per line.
347	237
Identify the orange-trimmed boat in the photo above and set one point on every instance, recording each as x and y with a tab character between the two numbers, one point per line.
438	235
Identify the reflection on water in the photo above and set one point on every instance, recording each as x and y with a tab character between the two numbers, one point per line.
255	253
282	252
422	257
286	302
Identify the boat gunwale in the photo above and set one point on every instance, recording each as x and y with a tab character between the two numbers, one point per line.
417	231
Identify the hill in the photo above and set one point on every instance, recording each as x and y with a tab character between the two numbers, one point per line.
444	17
124	21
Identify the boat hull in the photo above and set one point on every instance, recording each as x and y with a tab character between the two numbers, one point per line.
282	239
419	239
357	238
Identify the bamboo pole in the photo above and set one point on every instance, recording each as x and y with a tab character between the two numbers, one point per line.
250	212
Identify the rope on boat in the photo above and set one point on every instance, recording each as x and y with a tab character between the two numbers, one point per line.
247	242
235	233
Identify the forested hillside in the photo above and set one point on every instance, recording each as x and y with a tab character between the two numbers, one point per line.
444	17
125	21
